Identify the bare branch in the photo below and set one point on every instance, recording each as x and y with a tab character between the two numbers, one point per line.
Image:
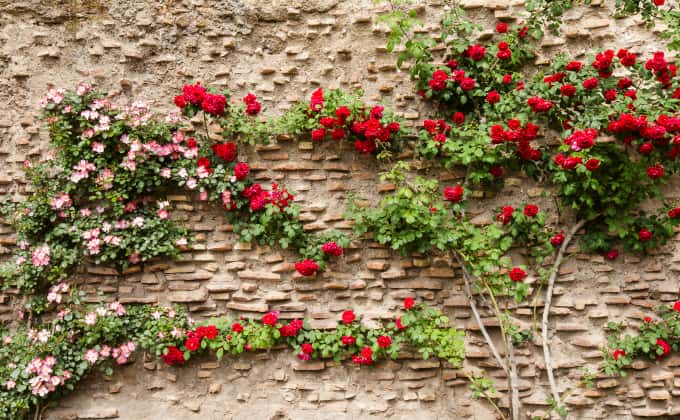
546	310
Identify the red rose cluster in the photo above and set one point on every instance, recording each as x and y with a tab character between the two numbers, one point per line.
366	128
439	129
225	151
173	356
662	70
580	140
253	107
259	198
522	136
365	358
194	338
291	329
198	96
332	249
539	104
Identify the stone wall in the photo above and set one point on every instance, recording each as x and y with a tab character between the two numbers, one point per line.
281	51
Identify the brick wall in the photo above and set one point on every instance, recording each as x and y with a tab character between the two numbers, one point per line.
282	51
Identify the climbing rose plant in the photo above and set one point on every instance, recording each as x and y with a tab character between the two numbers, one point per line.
41	363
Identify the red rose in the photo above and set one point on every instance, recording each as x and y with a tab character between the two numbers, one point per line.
348	340
530	210
674	213
342	113
459	118
624	83
467	83
270	318
506	214
644	235
191	143
398	324
249	99
253	108
646	148
316	102
454	194
568	90
504	54
496	171
610	95
327	122
236	327
318	134
307	267
648	319
655	172
204	163
558	239
493	97
517	274
307	348
194	94
332	249
501	27
180	101
476	52
338	134
592	164
612	254
366	357
226	151
409	302
676	306
241	171
618	353
376	112
665	347
574	66
200	332
214	104
192	343
348	317
659	2
210	332
172	356
384	341
590	83
522	32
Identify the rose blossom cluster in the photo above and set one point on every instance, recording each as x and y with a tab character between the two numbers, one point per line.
259	198
54	294
438	129
368	129
44	380
120	354
253	107
519	135
198	96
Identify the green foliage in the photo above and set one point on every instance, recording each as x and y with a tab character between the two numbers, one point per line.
412	219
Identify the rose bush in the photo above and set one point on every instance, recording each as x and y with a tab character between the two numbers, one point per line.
39	364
